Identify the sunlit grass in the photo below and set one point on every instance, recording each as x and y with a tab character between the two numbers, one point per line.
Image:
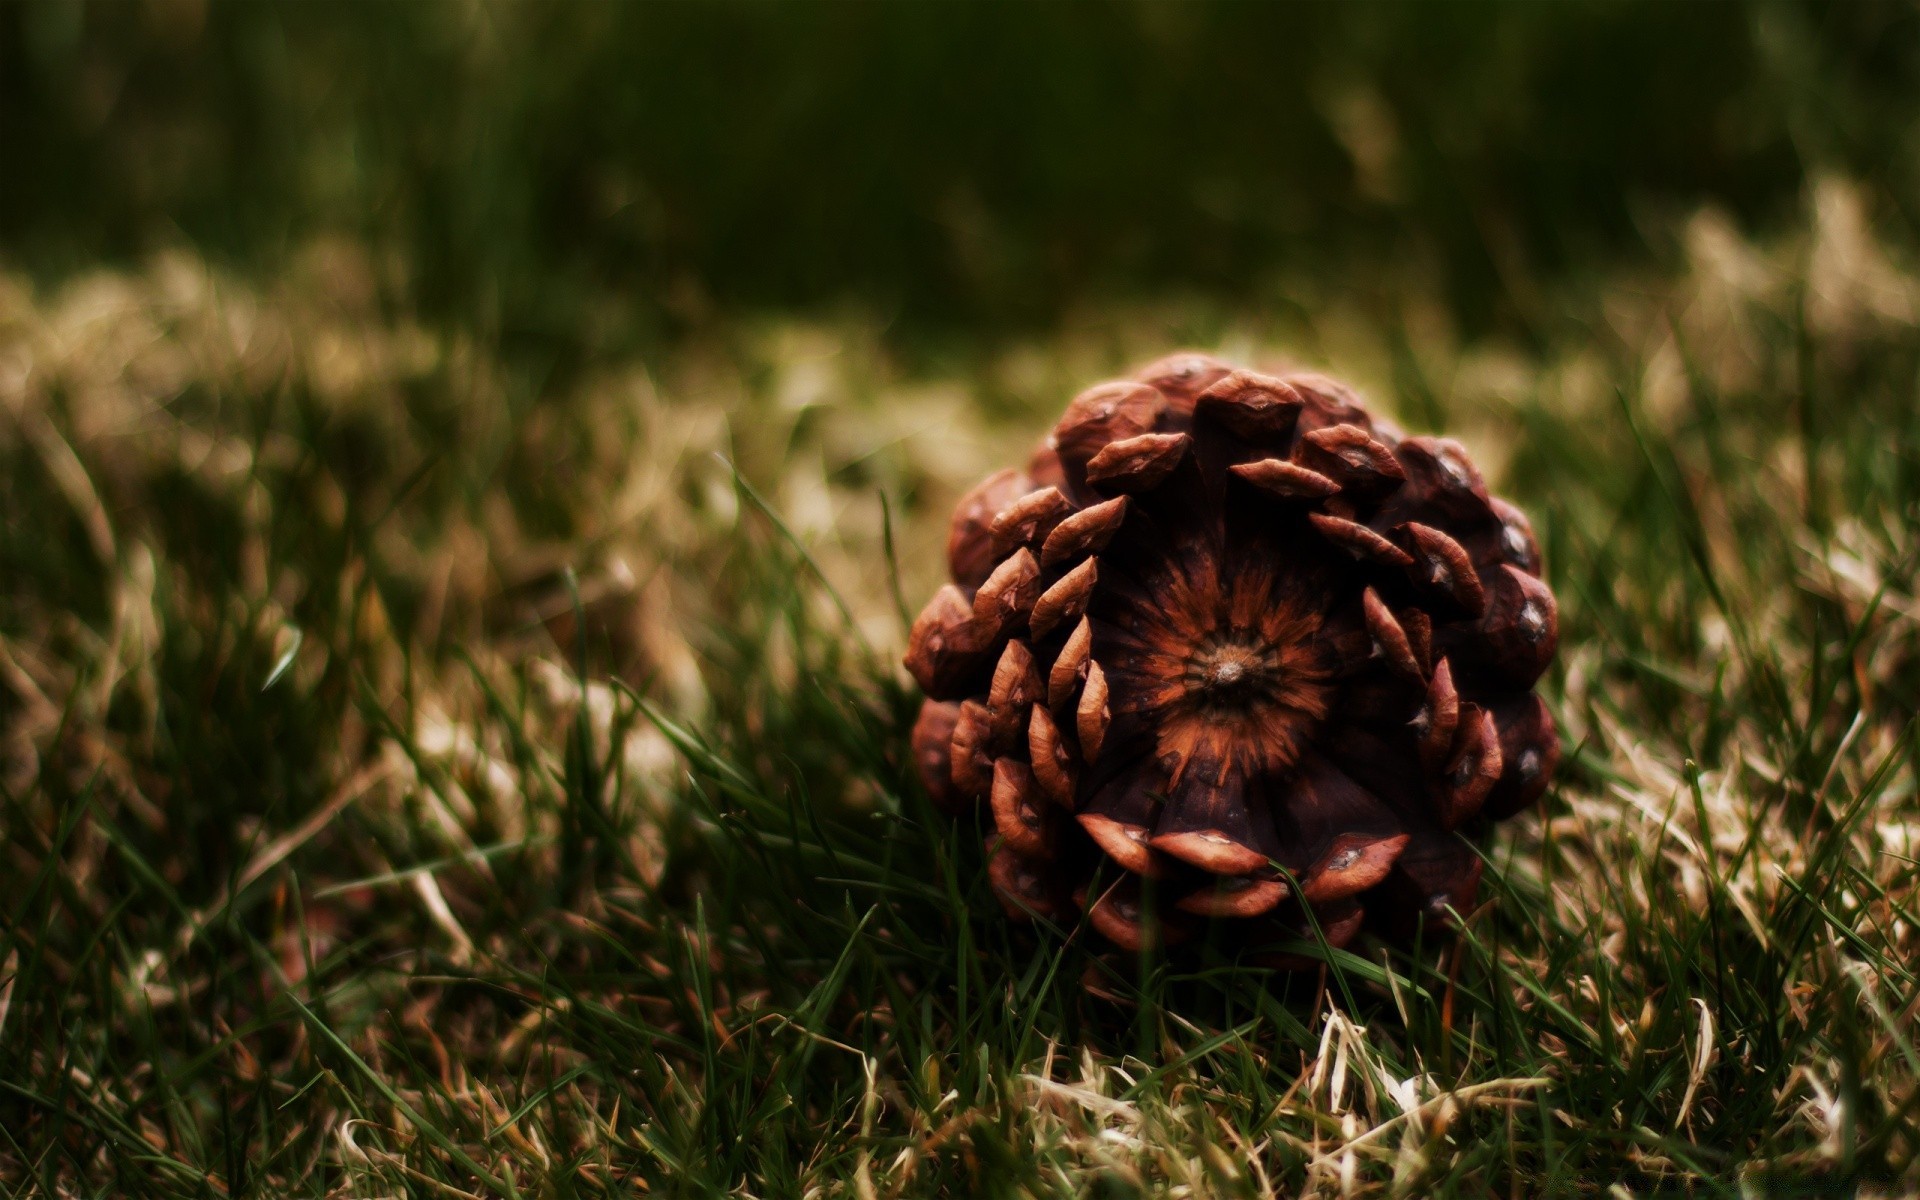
425	778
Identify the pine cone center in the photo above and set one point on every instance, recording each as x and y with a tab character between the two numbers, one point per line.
1230	676
1243	703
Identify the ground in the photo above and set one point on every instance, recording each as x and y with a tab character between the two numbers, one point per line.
408	794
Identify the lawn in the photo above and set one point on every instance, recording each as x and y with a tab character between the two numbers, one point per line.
452	736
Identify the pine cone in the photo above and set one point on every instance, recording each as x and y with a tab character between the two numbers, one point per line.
1225	623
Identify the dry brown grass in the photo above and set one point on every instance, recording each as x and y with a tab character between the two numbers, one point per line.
325	858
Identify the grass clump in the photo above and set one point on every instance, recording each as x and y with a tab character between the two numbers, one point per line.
423	775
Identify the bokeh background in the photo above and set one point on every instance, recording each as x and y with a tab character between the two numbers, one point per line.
856	248
465	468
588	176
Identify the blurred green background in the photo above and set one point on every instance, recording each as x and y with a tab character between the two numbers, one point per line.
595	174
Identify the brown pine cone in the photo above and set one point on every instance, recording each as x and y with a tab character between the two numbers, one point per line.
1226	623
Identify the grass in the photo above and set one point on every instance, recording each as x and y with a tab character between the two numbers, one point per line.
428	776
